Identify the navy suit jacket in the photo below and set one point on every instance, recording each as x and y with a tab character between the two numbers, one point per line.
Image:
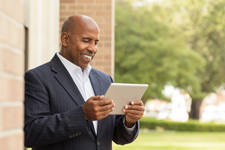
54	118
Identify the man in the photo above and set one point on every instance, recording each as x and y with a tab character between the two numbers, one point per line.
64	105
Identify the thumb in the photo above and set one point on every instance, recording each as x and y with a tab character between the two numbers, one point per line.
98	97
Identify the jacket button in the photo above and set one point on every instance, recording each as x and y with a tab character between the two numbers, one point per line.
70	136
98	143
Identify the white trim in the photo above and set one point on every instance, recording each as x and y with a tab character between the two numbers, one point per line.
10	133
10	104
11	20
11	48
39	33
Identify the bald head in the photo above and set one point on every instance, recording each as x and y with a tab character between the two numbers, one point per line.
72	22
79	38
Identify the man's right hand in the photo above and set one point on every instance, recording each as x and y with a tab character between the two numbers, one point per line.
97	108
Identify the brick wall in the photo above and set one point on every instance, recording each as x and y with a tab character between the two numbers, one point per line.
11	74
102	11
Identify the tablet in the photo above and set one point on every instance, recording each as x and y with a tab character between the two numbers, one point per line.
122	94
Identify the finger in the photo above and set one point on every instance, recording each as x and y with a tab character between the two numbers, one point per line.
105	102
97	97
134	107
133	115
107	111
106	108
102	114
137	102
132	118
134	112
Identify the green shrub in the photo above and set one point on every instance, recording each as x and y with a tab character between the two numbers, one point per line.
192	125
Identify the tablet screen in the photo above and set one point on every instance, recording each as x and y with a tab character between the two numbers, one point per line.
122	94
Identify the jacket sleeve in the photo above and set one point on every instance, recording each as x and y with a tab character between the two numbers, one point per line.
42	127
121	136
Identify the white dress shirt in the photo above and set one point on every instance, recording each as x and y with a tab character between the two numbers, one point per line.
81	79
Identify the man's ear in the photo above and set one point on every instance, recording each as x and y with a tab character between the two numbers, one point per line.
64	38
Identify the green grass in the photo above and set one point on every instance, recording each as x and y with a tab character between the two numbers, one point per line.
150	140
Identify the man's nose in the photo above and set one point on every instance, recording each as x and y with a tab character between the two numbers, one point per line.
92	47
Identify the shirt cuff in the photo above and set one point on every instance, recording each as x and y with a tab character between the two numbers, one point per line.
129	130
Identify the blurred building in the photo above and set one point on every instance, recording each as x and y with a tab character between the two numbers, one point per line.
157	109
176	110
29	36
213	108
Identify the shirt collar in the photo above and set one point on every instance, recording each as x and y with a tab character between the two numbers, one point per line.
72	68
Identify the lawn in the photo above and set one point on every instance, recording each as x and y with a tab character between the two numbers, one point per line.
150	140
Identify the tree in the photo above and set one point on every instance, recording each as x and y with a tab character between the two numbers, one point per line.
149	50
203	26
171	41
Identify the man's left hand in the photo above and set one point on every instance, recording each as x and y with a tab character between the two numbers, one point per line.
133	112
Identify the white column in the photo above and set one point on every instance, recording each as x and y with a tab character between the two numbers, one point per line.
42	20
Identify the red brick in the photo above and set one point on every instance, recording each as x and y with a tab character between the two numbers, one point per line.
87	13
13	62
61	23
4	28
108	21
107	44
11	89
13	142
1	4
108	7
67	1
15	33
103	13
107	70
13	117
85	1
103	63
1	60
98	57
107	31
17	13
99	63
107	57
76	7
98	19
104	1
98	67
17	94
11	34
104	26
1	120
106	38
94	7
66	13
62	19
100	44
63	7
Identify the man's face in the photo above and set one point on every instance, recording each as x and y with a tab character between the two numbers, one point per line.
82	44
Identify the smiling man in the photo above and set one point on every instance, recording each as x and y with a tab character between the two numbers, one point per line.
64	105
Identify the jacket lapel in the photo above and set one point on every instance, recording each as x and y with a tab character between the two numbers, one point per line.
64	78
97	87
96	82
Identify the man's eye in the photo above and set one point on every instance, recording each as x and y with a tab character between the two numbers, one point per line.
86	41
